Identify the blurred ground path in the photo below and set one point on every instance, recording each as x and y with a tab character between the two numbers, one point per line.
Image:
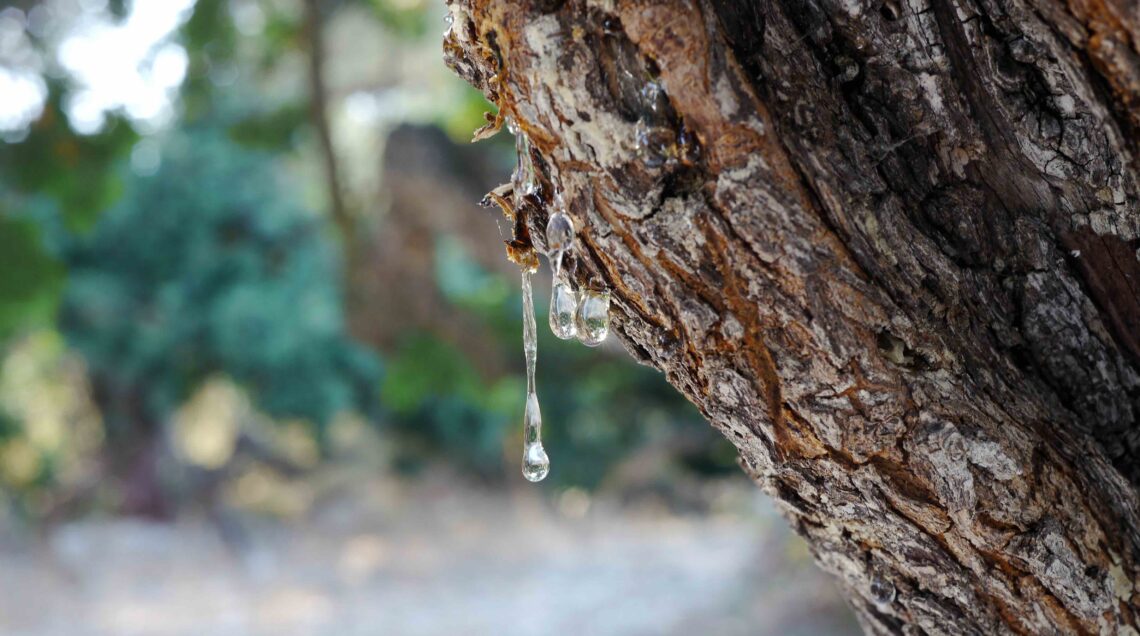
425	559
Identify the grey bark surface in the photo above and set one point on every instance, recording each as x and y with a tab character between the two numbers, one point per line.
889	249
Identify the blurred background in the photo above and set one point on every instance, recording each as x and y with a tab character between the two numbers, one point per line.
261	367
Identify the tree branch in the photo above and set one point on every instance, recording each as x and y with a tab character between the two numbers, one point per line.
318	112
863	281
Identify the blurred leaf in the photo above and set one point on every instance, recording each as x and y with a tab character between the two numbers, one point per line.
30	279
210	29
407	18
463	281
210	39
9	428
274	130
74	170
466	113
424	369
283	31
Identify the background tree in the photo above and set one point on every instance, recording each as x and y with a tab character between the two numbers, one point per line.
889	249
146	262
230	277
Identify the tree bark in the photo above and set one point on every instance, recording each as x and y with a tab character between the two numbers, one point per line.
889	249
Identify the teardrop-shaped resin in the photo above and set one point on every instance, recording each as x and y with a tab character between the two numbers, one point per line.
535	463
654	144
882	591
563	305
654	95
592	319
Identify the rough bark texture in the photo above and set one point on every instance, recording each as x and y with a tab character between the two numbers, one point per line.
889	248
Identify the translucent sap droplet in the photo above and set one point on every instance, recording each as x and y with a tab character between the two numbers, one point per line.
882	591
563	306
653	94
559	202
535	463
592	320
653	145
688	148
524	179
559	233
530	332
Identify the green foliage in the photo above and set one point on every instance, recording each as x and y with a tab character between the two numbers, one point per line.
56	162
466	114
210	39
283	32
9	427
274	130
50	163
407	19
209	267
440	404
464	283
425	369
30	278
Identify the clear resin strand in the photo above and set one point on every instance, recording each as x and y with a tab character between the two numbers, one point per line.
535	463
523	178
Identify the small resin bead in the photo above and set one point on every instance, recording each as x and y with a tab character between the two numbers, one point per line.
592	319
882	591
563	306
559	233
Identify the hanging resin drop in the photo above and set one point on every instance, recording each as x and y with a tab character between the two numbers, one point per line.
523	178
654	95
535	464
563	306
559	233
559	240
563	299
592	319
648	146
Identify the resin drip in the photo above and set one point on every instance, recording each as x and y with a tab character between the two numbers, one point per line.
523	179
592	319
535	464
563	299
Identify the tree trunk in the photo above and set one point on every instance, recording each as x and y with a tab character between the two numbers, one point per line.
889	249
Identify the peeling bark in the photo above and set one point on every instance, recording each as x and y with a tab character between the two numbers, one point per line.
889	249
